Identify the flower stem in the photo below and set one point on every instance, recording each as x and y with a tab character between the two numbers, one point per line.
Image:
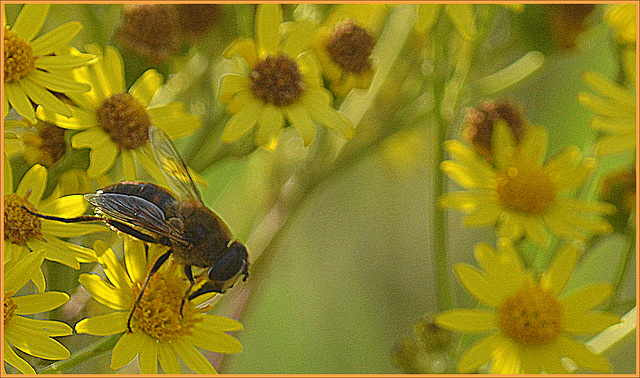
622	266
93	350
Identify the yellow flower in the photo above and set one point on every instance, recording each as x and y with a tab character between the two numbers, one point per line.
461	15
520	194
615	114
114	123
159	332
275	81
24	232
343	46
622	19
31	336
31	70
530	326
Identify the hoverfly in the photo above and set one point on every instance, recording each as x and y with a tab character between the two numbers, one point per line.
195	235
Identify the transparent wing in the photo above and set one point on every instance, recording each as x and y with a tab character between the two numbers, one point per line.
172	166
135	211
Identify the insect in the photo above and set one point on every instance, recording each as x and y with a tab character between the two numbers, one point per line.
195	234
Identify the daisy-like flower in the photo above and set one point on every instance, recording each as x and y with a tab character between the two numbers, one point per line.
278	81
529	324
520	194
615	110
115	122
622	19
24	231
344	44
34	67
159	332
32	336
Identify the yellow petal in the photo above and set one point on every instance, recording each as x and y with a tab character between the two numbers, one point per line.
168	359
322	113
268	20
583	356
114	69
135	260
30	20
104	325
34	181
12	359
219	323
115	272
479	285
106	293
23	271
19	101
69	230
299	118
586	298
196	361
217	342
557	276
269	125
533	147
245	48
66	207
427	16
56	39
589	323
478	354
8	175
37	303
242	122
58	83
621	96
102	158
148	359
30	336
504	145
64	62
298	37
127	348
81	119
230	85
173	120
483	215
467	320
128	165
462	17
43	97
146	87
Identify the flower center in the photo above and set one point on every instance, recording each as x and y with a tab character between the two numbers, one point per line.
531	317
350	47
18	57
525	191
9	307
125	120
20	226
150	30
277	80
53	144
479	121
158	313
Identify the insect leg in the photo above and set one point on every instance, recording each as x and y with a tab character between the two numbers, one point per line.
189	273
82	218
161	260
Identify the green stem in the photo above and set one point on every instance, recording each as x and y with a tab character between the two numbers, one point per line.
244	19
622	266
93	350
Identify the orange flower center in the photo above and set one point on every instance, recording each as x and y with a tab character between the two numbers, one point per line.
528	191
20	226
9	307
350	46
276	80
158	313
531	317
18	57
125	120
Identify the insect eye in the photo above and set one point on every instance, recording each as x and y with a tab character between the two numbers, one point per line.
231	264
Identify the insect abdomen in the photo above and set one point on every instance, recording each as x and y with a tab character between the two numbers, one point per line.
151	192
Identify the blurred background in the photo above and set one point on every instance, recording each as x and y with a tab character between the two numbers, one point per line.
346	267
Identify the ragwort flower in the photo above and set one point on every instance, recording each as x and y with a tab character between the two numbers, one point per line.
520	194
279	81
32	336
35	67
159	332
24	232
616	114
115	122
530	325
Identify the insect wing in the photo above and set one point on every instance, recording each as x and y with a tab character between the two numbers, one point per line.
135	211
171	164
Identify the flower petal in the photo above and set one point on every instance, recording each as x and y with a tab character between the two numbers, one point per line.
30	336
299	118
217	342
30	20
104	325
586	298
298	37
268	20
12	359
105	293
56	39
135	260
115	272
58	83
242	122
127	348
589	323
148	359
478	354
19	101
101	158
583	356
57	63
68	230
16	277
479	285
128	165
322	112
533	147
43	97
230	84
66	207
462	17
467	320
37	303
219	323
173	120
114	69
269	125
8	175
146	87
168	360
80	119
245	48
35	181
194	359
557	275
504	145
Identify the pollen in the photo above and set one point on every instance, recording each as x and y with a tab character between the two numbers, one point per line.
19	225
158	313
276	80
18	57
9	307
531	317
350	47
528	191
125	120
